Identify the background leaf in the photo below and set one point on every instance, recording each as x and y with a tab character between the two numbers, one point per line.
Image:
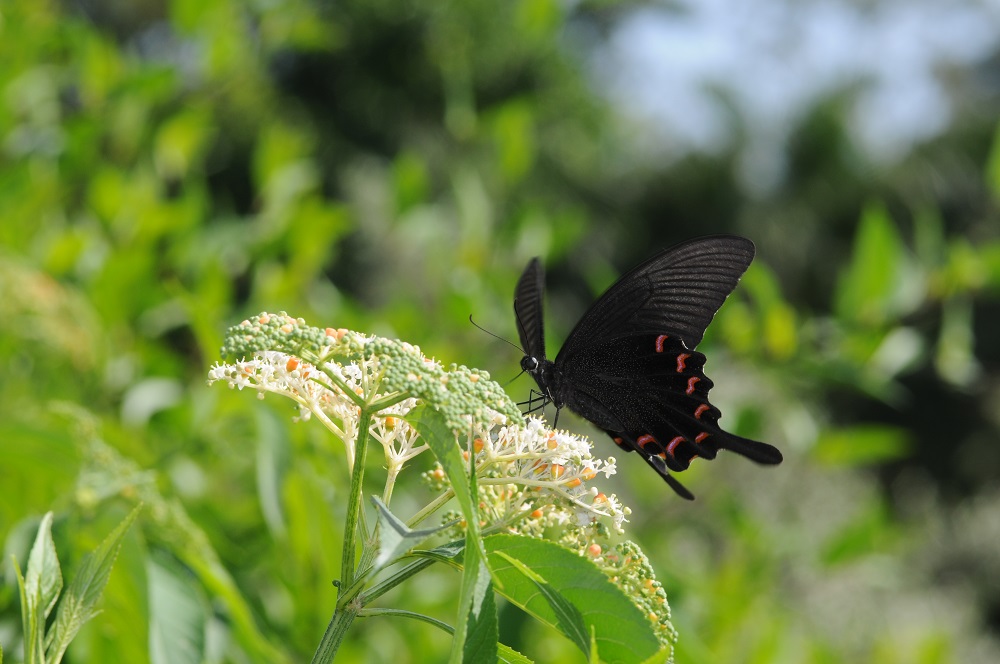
79	603
43	577
167	169
178	615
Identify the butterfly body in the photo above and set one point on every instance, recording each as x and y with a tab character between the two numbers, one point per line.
630	365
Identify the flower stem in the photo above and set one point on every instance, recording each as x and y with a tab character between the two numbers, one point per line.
430	507
334	635
347	609
347	568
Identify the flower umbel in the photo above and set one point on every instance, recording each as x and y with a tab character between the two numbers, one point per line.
531	480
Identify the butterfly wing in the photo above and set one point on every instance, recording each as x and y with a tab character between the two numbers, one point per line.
629	366
650	394
528	309
676	292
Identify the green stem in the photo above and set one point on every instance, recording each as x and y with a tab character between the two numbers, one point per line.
389	400
347	609
429	508
334	635
368	613
347	568
391	582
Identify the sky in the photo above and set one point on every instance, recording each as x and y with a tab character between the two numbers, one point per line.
664	66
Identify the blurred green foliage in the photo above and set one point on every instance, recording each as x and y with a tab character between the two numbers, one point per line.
167	168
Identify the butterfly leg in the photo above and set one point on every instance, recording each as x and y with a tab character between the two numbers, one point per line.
534	397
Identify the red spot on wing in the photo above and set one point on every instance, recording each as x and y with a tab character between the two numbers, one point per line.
644	440
618	440
701	436
681	359
659	342
692	381
674	443
700	410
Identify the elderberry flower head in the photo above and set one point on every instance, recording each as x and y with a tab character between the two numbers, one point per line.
531	480
524	469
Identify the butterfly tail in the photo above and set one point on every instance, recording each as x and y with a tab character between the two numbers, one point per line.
754	450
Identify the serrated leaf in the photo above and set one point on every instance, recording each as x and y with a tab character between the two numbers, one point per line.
79	603
177	615
395	537
479	611
39	589
508	655
621	632
30	625
43	575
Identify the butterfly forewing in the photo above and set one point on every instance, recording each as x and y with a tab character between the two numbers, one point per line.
528	309
676	292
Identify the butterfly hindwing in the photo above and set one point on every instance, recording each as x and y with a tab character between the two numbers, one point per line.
651	393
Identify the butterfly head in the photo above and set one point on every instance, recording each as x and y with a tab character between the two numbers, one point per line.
543	371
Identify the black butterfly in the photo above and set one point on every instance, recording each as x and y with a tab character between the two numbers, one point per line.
629	366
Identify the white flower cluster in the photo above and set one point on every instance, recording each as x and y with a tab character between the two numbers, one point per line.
317	396
530	477
532	471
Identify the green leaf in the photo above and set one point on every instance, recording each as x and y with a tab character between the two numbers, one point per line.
43	575
479	610
508	655
621	631
862	445
79	604
779	329
867	288
570	621
39	589
30	625
177	613
434	429
868	531
272	463
395	538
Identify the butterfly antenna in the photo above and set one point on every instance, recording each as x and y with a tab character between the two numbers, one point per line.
514	378
496	336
